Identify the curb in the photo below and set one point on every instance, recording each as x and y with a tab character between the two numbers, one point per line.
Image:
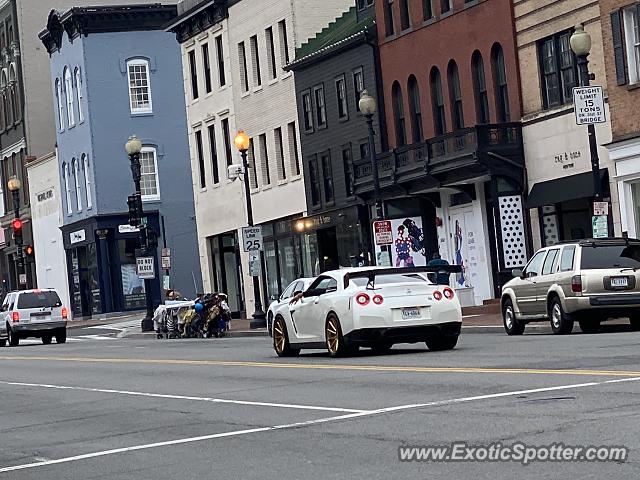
231	334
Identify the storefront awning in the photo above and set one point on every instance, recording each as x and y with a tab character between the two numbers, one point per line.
563	189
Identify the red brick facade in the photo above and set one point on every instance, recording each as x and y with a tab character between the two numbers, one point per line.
456	35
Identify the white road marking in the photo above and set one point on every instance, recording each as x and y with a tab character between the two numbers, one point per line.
184	397
309	423
79	338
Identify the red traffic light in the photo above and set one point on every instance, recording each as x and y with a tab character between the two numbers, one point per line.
16	224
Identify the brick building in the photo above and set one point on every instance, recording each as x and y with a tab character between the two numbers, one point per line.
621	38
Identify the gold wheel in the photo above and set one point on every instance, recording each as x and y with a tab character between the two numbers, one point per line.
279	337
333	336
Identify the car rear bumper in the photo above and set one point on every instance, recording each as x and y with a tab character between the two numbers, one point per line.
615	301
37	327
411	334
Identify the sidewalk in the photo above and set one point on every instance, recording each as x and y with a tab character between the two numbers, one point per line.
93	322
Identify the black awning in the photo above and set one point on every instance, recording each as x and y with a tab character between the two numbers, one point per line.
563	189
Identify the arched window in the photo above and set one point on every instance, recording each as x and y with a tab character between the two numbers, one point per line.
398	115
415	109
67	187
437	100
60	107
87	181
3	98
14	93
78	81
455	96
68	93
405	16
76	181
500	79
6	97
480	88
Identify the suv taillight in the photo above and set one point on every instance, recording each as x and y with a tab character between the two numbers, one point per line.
15	316
65	313
576	284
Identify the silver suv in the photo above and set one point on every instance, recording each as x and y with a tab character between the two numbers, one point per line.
587	280
33	313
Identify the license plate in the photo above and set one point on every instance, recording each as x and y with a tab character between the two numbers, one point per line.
410	313
41	317
619	282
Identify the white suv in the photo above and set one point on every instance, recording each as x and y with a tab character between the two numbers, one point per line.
33	313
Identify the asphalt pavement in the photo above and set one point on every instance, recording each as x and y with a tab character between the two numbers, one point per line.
140	408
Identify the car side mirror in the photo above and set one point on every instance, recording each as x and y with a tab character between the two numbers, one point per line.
517	273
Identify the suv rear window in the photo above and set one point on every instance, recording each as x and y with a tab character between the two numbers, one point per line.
611	256
48	298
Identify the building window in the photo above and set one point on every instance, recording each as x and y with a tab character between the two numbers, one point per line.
68	94
211	130
635	197
76	181
364	150
427	9
149	184
446	6
60	105
139	86
255	61
282	170
405	15
253	173
321	112
388	17
480	89
327	175
437	100
271	53
416	111
314	181
358	86
341	95
206	62
632	42
201	169
87	181
398	115
222	80
244	73
456	96
559	70
500	77
293	148
67	187
362	4
78	78
8	101
264	160
284	42
226	137
348	170
14	93
193	72
307	111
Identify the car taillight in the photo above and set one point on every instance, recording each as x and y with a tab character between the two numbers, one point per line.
437	295
448	293
362	299
576	284
377	299
65	313
15	316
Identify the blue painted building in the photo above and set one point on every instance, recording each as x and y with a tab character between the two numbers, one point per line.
114	73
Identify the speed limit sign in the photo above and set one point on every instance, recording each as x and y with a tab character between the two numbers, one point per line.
252	239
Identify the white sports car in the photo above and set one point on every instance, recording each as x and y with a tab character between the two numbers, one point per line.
372	307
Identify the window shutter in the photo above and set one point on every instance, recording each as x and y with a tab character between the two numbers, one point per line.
618	47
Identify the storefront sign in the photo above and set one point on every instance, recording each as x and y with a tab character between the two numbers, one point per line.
588	103
255	269
252	239
166	263
600	226
127	229
600	209
77	237
146	268
383	232
46	195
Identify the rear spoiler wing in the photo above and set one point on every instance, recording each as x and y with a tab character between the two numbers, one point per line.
371	275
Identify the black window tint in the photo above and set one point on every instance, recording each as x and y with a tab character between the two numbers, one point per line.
611	256
535	265
39	299
549	262
566	263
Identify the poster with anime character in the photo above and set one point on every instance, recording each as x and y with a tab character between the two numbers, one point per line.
408	244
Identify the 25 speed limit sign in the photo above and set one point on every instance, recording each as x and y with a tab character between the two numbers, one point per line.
252	239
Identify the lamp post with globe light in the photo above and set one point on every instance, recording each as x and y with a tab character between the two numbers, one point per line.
14	184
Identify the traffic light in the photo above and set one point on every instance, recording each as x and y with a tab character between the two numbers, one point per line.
134	211
29	252
16	224
152	238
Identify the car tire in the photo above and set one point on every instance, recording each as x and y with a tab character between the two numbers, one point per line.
14	339
561	323
281	339
61	335
512	325
441	342
381	348
635	323
589	326
270	323
334	340
46	339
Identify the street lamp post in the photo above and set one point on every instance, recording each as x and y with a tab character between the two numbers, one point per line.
368	107
581	45
242	143
15	185
133	147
